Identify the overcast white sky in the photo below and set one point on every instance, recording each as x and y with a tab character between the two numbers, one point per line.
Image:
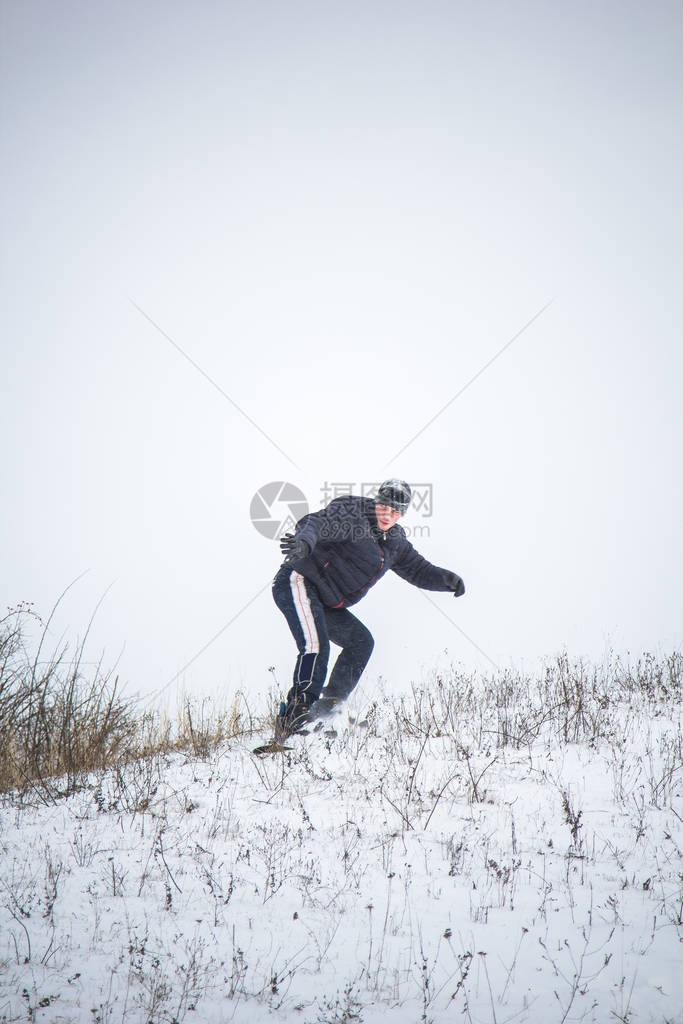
341	212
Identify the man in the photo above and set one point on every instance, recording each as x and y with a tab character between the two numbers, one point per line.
331	560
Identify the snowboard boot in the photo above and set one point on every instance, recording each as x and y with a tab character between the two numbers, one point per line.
293	716
324	707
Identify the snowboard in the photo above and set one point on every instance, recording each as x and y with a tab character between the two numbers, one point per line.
278	743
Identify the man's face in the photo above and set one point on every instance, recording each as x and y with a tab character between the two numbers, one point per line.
386	516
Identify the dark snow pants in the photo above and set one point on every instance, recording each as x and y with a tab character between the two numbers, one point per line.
313	626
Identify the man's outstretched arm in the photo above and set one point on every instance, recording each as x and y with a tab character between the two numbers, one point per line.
416	569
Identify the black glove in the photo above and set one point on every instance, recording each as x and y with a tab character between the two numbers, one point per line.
454	583
293	548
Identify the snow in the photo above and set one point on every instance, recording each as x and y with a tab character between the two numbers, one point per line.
400	866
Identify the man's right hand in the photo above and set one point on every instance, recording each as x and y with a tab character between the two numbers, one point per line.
293	548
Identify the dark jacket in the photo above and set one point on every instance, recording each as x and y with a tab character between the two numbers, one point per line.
349	552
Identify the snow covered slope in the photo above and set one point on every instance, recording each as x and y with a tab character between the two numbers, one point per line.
477	852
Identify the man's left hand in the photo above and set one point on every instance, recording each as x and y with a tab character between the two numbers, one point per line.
454	583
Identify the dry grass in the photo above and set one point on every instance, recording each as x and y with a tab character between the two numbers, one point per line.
61	720
60	723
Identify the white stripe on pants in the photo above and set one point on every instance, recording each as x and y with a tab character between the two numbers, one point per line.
302	606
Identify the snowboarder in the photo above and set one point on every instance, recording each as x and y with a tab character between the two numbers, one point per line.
331	560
